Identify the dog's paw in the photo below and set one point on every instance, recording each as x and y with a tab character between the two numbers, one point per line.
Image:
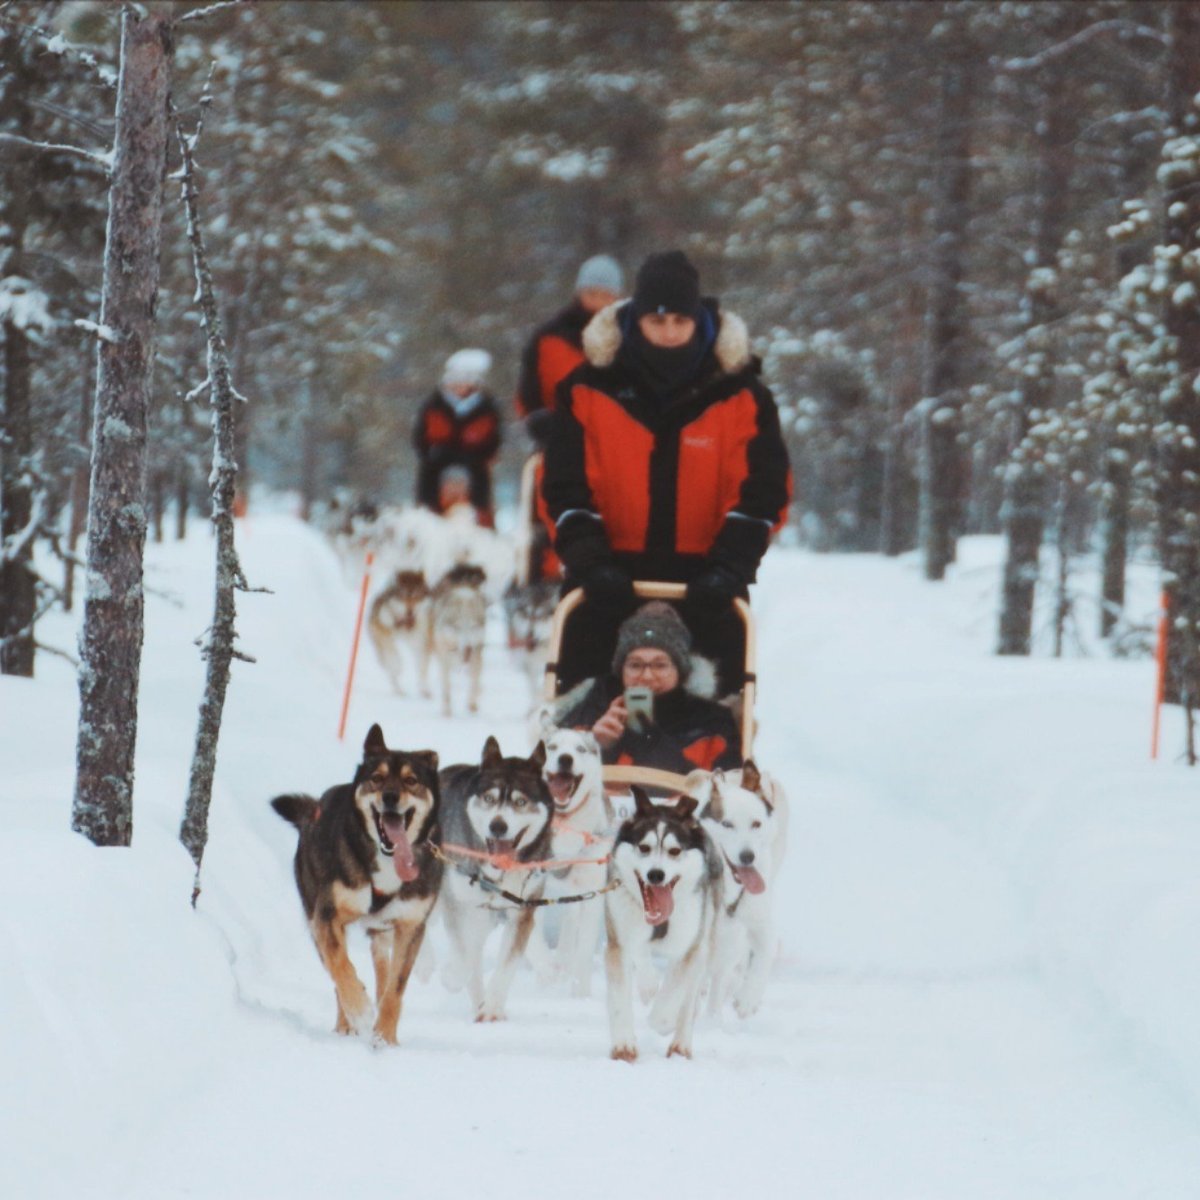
677	1049
624	1053
488	1015
746	1007
380	1039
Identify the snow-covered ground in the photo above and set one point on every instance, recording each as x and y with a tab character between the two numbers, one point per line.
988	982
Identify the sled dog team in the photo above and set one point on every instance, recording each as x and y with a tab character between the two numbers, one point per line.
439	574
682	888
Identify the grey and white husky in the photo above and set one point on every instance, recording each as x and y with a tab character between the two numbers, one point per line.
745	814
495	822
457	626
670	891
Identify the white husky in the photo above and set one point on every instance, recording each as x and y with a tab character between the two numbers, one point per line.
583	829
745	814
670	890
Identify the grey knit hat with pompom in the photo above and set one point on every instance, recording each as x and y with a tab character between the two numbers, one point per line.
655	626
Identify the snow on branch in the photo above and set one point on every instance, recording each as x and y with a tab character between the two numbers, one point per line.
199	14
56	44
1124	30
103	333
103	159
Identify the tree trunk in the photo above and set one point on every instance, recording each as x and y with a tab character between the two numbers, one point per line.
111	639
1179	483
1023	510
1114	536
18	584
182	485
220	648
946	324
79	475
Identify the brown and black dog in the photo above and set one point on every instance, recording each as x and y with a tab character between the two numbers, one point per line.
366	854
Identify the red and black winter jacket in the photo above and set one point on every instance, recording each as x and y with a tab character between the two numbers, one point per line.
446	438
672	481
552	353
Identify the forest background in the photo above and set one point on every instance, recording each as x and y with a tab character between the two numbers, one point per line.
961	235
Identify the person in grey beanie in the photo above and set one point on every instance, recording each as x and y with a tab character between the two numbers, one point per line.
686	728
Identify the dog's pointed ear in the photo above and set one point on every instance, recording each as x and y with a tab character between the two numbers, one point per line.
375	743
427	758
699	783
751	779
641	801
589	740
686	806
491	753
546	721
538	757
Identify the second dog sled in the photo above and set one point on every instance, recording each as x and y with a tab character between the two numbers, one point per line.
619	777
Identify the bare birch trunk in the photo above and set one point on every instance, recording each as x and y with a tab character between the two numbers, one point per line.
111	639
219	648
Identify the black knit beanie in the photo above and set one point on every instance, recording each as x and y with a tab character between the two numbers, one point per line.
667	283
655	626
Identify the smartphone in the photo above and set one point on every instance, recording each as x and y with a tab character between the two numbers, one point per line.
639	704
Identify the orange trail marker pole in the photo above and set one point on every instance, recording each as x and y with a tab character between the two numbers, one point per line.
362	604
1160	663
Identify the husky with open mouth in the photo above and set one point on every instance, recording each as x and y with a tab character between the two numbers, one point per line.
496	822
745	814
584	825
366	854
670	891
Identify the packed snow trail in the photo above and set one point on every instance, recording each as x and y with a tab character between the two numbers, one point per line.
928	1033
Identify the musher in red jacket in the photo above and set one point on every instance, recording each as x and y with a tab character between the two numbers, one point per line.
665	460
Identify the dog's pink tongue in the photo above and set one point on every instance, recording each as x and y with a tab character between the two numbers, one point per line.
403	859
658	901
750	879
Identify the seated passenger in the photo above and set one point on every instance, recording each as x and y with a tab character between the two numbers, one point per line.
686	728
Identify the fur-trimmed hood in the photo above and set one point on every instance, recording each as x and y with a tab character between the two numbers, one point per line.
602	339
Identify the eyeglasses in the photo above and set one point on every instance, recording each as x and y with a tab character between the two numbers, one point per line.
656	666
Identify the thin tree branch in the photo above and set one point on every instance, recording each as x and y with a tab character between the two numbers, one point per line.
1125	30
199	14
104	160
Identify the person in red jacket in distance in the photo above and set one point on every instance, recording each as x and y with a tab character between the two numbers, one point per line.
458	426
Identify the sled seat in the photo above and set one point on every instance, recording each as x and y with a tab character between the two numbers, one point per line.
619	778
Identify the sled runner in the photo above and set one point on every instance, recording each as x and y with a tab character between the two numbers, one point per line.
619	777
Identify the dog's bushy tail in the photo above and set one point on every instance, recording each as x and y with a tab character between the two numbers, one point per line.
299	810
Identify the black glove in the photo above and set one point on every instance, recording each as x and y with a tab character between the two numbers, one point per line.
712	592
585	553
537	426
610	587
